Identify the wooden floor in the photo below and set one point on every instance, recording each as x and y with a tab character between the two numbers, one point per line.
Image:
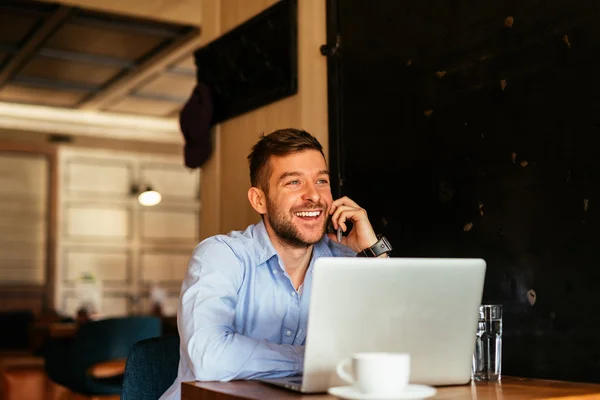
23	378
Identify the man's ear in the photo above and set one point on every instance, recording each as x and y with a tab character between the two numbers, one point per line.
258	200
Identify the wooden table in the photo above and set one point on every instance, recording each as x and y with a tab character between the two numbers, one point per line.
510	388
62	330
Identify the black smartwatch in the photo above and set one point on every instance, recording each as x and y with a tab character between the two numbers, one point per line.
382	246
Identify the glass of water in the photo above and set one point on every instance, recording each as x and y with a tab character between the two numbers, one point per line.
487	359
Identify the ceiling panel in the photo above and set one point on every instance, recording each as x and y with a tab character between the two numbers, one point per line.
137	105
178	11
39	95
69	71
15	27
103	42
169	85
67	56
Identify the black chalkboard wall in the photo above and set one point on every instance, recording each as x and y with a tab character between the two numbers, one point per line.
253	64
471	129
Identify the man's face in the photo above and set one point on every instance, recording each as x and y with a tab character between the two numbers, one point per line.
299	198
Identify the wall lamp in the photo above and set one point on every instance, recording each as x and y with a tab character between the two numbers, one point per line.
146	196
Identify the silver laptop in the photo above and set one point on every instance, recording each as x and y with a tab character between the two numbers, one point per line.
427	307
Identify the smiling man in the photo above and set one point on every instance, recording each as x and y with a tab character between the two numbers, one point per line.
244	301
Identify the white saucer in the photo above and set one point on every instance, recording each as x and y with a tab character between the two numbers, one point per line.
411	392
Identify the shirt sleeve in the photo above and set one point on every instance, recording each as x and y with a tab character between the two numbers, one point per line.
207	309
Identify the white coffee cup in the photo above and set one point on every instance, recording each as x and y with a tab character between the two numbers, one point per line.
376	373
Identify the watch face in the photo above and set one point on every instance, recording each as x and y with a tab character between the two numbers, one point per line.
382	246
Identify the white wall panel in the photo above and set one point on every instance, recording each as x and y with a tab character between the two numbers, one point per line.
114	306
160	267
170	225
172	181
104	231
97	177
106	265
97	222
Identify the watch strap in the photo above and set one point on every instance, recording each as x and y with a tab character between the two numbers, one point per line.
380	247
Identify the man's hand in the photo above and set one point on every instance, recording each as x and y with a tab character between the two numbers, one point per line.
362	235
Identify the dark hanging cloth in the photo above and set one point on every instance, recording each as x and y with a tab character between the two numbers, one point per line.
195	122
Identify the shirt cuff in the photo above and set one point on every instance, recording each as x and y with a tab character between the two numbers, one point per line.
299	357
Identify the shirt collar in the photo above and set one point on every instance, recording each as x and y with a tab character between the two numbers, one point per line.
264	249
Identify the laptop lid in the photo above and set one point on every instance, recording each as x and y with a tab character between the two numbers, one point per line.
427	307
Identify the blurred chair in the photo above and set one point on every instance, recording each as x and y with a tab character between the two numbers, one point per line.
92	363
151	368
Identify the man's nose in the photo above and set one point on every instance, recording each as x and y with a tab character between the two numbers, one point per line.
312	193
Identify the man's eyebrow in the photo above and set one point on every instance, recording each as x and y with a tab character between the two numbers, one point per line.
286	175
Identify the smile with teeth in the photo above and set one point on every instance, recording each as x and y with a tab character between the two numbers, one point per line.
308	213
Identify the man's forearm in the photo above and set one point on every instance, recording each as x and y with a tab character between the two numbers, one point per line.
227	356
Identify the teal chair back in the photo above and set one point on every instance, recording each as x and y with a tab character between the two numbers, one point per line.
67	362
151	368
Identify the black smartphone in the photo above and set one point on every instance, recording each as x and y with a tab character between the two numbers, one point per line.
331	229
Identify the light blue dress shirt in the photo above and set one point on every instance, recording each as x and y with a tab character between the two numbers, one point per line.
239	315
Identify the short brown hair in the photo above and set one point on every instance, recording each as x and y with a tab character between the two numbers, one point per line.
278	143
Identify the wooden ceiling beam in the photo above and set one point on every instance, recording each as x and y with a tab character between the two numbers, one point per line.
51	120
184	12
35	41
153	65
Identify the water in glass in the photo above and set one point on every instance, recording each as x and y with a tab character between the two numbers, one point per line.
487	360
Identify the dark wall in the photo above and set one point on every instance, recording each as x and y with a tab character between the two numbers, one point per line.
464	136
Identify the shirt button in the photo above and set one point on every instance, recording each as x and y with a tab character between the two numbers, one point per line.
293	293
288	333
274	272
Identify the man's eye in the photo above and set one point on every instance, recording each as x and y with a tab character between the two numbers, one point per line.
323	182
293	182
